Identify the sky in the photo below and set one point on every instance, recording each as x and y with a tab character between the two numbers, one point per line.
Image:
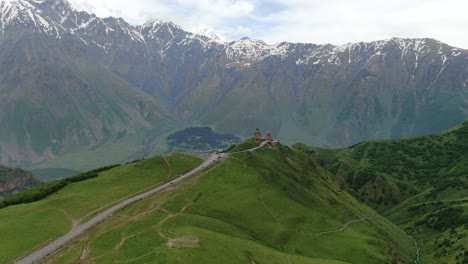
308	21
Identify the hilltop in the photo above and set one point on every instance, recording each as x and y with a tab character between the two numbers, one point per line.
419	183
271	205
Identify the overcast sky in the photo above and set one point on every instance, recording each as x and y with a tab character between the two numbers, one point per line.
312	21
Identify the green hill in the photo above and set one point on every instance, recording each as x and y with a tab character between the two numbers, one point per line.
419	183
271	206
28	226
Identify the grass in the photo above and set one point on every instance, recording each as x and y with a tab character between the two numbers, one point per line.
23	227
418	183
184	163
248	144
266	207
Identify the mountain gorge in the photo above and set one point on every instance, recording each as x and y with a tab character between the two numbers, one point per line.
72	83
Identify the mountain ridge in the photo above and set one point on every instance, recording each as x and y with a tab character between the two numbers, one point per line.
73	21
418	183
322	95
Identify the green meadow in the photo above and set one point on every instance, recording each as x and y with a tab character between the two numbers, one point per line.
420	184
272	206
27	226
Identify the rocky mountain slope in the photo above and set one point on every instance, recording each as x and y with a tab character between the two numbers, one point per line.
56	95
14	180
79	81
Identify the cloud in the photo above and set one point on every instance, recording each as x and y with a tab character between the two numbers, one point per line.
342	21
218	8
242	30
133	13
236	32
314	21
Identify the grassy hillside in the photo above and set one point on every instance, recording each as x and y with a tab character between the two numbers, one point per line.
24	227
419	183
271	206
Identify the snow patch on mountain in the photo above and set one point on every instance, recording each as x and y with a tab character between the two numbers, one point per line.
247	49
209	33
57	17
411	50
22	12
151	27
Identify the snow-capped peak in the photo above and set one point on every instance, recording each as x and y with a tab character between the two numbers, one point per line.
25	12
248	44
7	3
209	33
153	23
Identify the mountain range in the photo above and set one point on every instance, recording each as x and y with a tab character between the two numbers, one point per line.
77	89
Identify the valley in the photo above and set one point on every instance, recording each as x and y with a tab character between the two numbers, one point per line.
134	141
84	87
200	139
265	202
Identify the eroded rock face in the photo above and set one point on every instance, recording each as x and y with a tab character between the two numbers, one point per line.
15	179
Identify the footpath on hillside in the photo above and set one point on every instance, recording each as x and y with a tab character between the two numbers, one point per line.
80	229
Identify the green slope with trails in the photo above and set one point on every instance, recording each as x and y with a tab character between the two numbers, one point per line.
27	226
271	206
419	183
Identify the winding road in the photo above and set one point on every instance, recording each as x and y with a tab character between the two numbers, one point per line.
80	229
250	150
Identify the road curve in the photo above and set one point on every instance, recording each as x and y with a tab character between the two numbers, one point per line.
252	149
78	230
